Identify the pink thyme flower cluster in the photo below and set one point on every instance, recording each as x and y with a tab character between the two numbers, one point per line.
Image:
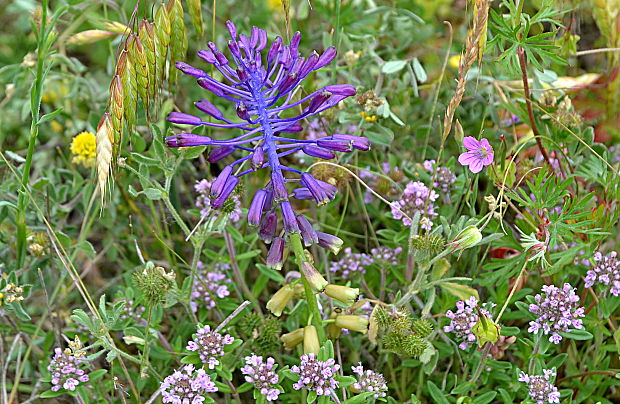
187	387
203	201
209	286
465	318
414	200
369	380
132	311
350	264
380	184
541	389
316	375
444	178
606	272
65	370
557	310
209	345
262	375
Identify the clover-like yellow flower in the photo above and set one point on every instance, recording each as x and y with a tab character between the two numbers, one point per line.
84	149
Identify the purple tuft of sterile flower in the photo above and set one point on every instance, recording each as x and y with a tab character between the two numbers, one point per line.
203	201
262	375
465	318
479	154
209	285
414	200
189	386
557	311
369	381
386	255
261	81
65	371
209	345
443	178
316	375
541	388
606	272
350	264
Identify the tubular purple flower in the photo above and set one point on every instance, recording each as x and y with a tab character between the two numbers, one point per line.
229	187
318	101
268	227
258	158
183	119
288	218
187	139
359	142
308	234
219	153
218	185
320	190
207	85
326	58
275	256
207	56
339	145
189	70
315	151
256	208
329	242
242	111
302	193
341	89
208	108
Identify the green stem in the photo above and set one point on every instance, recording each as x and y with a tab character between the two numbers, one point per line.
145	356
298	250
35	108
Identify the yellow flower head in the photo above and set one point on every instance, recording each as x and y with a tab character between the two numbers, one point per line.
84	149
455	61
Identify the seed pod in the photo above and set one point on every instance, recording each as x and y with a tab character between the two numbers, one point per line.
105	141
115	105
137	55
126	71
116	27
162	40
178	40
147	36
196	13
89	36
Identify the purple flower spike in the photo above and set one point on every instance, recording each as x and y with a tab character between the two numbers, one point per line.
260	79
479	154
256	208
557	310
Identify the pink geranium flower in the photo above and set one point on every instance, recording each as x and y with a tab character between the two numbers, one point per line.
479	154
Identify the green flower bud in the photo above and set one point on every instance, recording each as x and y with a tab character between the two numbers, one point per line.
280	299
352	322
485	330
314	277
343	294
311	340
468	237
292	339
